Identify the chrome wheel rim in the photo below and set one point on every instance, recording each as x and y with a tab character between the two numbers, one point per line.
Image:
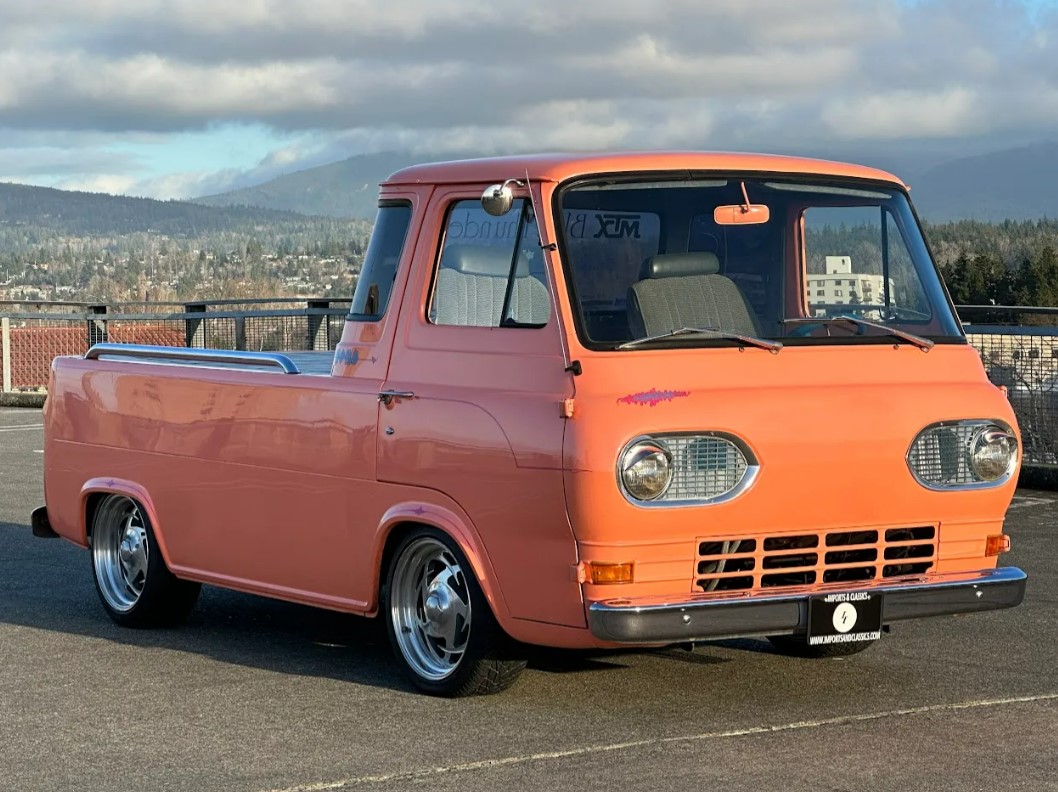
120	553
430	609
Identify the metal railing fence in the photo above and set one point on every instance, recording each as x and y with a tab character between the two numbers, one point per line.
1018	350
32	338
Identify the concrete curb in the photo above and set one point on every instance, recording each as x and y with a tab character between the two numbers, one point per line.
35	400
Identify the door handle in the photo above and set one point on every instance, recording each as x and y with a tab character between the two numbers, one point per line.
388	396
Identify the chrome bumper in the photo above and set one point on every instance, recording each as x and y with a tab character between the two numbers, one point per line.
711	616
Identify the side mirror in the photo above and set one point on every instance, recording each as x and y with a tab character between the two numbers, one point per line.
498	199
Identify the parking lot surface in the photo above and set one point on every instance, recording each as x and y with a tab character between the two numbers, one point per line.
259	696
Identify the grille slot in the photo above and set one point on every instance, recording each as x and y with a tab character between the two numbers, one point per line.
851	538
787	561
790	542
852	556
777	561
788	579
849	574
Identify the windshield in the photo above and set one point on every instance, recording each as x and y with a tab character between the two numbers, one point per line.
653	259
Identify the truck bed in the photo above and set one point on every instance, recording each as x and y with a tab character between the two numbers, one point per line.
311	363
317	363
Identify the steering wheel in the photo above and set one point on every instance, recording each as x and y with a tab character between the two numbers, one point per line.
900	312
805	329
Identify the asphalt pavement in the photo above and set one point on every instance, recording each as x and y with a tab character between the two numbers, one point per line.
253	695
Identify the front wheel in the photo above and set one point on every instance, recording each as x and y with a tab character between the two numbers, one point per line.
440	625
134	584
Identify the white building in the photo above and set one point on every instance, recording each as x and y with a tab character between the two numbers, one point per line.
841	286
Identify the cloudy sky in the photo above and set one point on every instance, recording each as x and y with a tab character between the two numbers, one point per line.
178	98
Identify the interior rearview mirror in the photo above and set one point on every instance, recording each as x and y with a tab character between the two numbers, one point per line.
741	214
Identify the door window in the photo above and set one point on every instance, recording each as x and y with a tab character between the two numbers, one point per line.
490	271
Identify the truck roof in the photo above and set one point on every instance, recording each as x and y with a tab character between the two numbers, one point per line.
558	167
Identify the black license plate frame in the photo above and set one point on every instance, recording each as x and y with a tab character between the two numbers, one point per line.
844	617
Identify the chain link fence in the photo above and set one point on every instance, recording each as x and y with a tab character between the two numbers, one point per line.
1023	357
35	333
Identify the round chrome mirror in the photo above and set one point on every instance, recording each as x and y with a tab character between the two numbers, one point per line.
498	199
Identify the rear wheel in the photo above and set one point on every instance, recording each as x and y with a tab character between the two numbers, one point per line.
440	625
134	584
798	646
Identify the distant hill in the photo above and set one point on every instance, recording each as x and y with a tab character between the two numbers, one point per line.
1016	184
342	189
81	214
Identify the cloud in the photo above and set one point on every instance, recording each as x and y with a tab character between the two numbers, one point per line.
359	75
104	183
907	113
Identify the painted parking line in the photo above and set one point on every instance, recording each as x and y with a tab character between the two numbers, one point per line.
20	427
425	774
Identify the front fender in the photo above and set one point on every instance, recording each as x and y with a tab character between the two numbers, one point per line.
455	525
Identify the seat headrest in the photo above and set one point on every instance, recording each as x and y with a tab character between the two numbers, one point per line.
679	265
478	260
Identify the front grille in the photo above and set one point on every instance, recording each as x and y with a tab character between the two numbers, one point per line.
768	562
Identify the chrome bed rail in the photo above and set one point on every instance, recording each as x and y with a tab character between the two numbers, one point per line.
208	357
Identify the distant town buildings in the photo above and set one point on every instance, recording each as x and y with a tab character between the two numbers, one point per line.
841	286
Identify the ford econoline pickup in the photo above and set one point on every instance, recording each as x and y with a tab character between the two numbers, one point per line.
579	401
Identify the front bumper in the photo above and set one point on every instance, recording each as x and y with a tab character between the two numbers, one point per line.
700	617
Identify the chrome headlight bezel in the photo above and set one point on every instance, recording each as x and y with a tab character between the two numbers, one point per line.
664	440
990	435
641	451
976	431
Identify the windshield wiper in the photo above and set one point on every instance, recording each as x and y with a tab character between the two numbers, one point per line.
712	332
924	344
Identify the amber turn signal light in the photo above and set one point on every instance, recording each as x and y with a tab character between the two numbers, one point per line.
600	573
994	545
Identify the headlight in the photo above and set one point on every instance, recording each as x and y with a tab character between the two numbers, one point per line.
993	453
963	455
646	470
685	469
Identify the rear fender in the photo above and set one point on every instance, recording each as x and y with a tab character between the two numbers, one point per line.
455	526
130	489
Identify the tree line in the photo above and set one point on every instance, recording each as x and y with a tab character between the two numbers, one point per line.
1006	263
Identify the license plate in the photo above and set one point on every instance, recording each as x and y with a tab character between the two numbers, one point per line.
841	618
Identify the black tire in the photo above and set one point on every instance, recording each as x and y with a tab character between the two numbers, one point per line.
797	646
131	578
468	653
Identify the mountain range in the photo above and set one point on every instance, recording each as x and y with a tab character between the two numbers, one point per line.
80	213
1015	184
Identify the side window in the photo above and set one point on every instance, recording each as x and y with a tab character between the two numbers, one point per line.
491	270
860	246
375	283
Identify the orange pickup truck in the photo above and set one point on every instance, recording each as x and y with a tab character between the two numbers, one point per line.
579	401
